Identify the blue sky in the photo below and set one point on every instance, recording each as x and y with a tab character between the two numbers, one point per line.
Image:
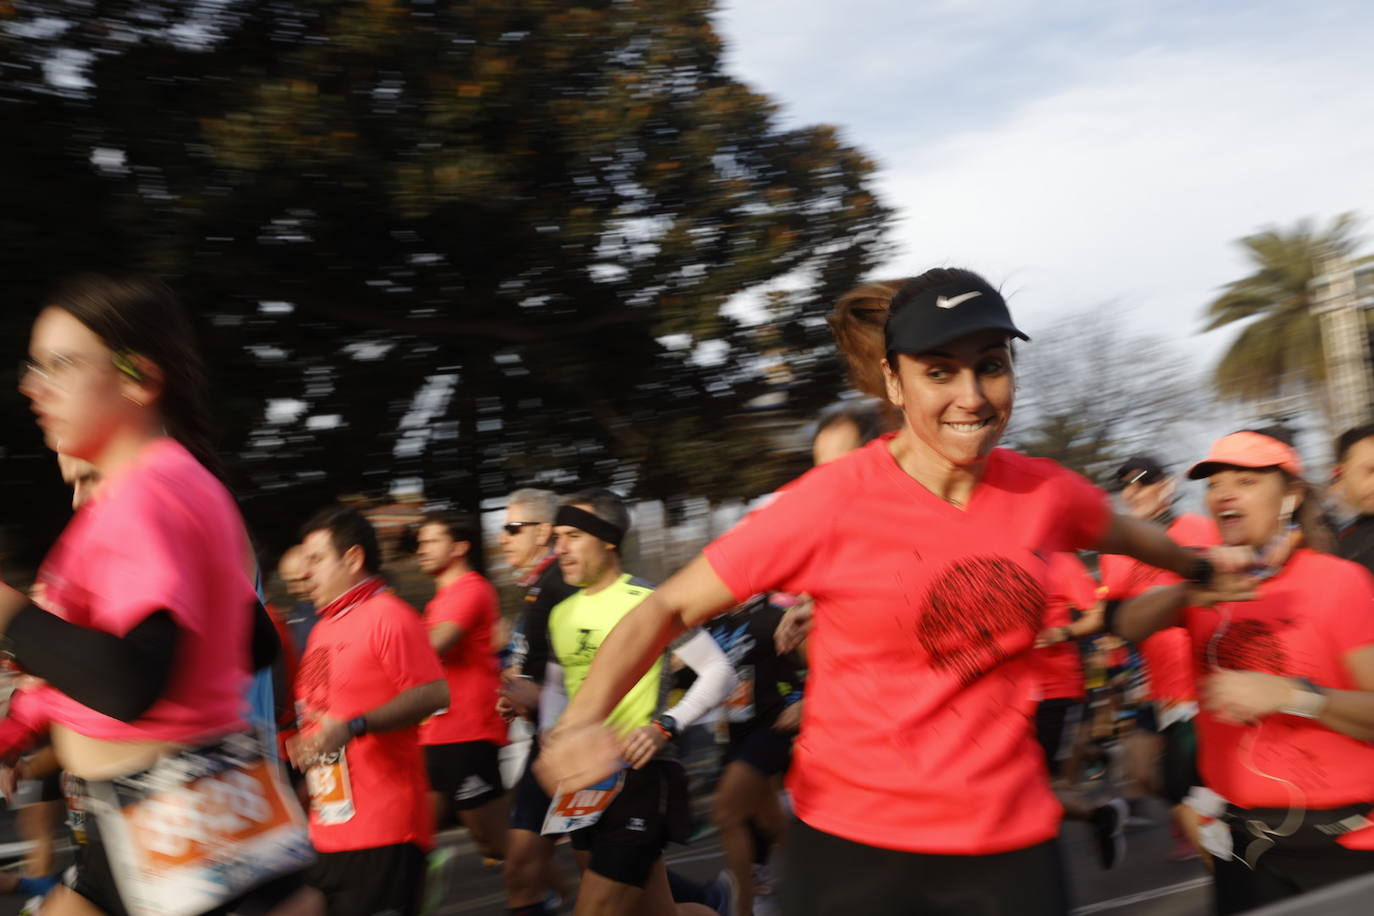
1083	154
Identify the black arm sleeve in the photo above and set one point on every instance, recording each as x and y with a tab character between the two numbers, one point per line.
266	642
119	676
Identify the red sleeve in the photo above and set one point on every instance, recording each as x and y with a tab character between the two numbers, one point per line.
1080	586
402	646
1352	592
772	547
466	605
1084	509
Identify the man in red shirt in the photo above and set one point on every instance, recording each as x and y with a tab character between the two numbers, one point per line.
366	681
462	742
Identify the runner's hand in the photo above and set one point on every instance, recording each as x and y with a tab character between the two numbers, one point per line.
506	709
1231	559
1244	697
789	720
574	758
523	695
329	735
1051	636
1223	587
9	782
642	745
794	627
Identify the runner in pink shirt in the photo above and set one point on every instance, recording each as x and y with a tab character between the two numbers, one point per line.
146	634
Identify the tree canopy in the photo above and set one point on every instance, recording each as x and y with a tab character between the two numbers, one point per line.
470	244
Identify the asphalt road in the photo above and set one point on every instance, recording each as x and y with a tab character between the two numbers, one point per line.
1145	884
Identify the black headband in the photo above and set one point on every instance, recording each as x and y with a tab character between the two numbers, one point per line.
583	520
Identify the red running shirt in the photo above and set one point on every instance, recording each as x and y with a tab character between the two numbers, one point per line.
355	661
916	729
471	665
1061	667
1168	654
1303	623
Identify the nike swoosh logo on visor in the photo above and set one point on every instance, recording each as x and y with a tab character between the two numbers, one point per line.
942	303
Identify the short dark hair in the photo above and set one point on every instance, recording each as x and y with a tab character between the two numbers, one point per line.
461	526
1350	437
606	505
347	529
865	415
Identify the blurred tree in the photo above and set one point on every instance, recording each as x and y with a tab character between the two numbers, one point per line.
1279	353
1091	393
465	244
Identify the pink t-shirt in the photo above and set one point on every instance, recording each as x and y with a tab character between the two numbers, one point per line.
916	731
161	534
1303	623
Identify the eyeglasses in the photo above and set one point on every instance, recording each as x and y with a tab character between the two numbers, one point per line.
513	528
60	371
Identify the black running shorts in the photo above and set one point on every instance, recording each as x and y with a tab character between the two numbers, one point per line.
468	773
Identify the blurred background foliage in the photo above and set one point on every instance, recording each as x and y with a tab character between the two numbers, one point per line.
468	245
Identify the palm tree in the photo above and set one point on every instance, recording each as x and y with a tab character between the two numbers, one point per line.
1280	351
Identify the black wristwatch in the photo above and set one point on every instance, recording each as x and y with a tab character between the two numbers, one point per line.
1202	571
357	726
669	726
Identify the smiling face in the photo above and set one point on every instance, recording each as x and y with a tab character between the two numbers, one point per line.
956	399
1249	504
80	398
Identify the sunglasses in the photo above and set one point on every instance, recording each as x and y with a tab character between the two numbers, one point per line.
513	528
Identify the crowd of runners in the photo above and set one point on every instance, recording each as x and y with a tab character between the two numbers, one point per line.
911	663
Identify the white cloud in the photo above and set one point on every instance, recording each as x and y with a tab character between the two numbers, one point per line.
1083	153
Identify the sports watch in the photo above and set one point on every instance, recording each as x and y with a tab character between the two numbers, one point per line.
1308	700
357	726
668	725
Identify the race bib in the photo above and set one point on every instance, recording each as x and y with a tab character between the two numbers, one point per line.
199	828
740	706
575	810
331	794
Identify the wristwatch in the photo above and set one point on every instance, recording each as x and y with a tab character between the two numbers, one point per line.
667	725
357	726
1308	700
1202	570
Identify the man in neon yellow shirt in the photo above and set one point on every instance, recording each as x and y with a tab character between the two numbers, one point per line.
625	838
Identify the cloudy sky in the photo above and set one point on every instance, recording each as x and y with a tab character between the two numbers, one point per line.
1083	153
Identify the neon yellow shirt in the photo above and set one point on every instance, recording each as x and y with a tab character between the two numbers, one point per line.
577	627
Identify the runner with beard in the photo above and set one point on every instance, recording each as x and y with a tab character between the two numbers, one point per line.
1286	682
916	780
1169	770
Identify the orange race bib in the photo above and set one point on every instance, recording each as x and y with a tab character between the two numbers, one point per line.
574	810
331	794
199	828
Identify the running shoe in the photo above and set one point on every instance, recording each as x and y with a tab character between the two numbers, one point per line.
763	881
438	876
1109	830
724	892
